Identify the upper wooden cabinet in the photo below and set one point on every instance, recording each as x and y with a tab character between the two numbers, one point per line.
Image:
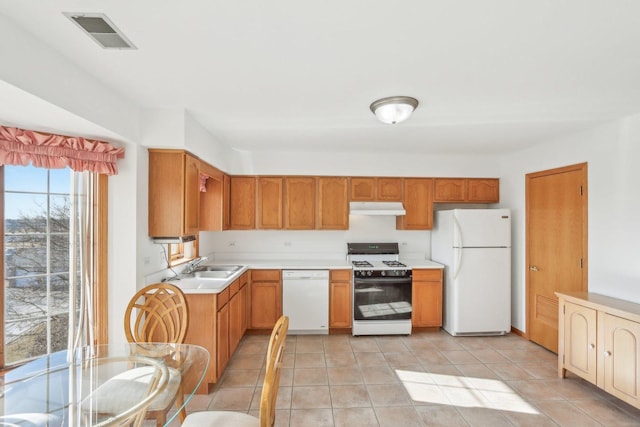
174	193
242	206
300	203
369	189
466	190
418	202
269	203
212	199
333	204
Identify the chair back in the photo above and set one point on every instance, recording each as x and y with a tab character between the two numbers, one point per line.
157	313
275	354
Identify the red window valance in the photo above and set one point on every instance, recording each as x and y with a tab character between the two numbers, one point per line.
21	147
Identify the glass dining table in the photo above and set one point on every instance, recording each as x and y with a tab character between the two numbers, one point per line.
104	385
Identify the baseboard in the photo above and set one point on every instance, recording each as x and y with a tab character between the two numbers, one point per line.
518	332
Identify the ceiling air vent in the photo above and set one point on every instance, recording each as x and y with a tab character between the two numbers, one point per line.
101	30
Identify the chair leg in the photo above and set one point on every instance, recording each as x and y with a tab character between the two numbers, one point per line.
180	403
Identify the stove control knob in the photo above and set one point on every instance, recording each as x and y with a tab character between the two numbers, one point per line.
368	273
383	273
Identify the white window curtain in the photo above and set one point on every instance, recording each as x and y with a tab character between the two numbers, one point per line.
81	261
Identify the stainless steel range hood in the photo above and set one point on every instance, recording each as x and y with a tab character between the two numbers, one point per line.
376	208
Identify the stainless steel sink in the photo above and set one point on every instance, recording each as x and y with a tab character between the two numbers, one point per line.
216	274
228	268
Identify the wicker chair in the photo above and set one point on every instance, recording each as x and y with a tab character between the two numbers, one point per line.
156	313
275	353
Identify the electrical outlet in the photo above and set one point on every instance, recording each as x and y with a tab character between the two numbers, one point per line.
287	243
232	243
146	260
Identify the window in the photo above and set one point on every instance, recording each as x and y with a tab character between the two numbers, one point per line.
42	262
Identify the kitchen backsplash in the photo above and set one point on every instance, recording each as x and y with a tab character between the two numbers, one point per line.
289	244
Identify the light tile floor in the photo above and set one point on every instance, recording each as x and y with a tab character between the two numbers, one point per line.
426	379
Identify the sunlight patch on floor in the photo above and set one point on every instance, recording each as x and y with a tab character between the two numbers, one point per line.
463	391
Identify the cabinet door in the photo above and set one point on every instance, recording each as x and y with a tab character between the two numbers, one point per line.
389	189
580	341
333	205
418	202
621	358
191	195
235	321
174	193
340	299
482	190
266	302
212	200
449	190
269	203
202	312
243	203
426	298
222	333
226	202
300	203
363	189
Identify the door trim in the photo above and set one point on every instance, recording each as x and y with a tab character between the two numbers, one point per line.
582	167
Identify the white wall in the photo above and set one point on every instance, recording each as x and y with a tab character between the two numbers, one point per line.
29	64
611	152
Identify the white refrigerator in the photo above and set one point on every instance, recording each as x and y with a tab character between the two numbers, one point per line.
475	247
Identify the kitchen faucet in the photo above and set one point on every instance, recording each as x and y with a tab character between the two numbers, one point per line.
191	265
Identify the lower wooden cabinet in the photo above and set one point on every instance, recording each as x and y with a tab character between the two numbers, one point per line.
218	322
340	293
426	298
599	340
266	298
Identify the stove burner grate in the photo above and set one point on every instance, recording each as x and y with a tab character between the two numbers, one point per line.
393	264
361	264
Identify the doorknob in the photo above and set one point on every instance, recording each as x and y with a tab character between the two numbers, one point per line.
533	268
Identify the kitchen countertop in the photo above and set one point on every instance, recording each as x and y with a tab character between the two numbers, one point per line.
194	285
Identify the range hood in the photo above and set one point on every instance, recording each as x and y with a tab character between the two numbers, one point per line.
376	208
172	240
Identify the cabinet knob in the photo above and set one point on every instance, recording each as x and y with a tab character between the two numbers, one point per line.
607	353
592	346
533	268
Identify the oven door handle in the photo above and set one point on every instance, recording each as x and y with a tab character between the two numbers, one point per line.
386	280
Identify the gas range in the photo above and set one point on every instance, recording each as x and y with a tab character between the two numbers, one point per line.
382	289
376	260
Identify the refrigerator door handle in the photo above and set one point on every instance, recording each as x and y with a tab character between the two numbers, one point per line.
457	244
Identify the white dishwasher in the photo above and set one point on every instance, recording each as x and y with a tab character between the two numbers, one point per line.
305	299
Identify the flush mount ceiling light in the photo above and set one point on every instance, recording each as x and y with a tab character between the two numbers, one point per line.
394	109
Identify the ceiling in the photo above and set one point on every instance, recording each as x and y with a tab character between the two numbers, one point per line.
491	75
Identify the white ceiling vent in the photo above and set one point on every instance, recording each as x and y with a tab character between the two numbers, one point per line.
101	30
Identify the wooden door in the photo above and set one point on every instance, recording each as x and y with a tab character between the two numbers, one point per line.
556	209
363	189
389	189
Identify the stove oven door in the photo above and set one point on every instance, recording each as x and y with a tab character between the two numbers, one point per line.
382	298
